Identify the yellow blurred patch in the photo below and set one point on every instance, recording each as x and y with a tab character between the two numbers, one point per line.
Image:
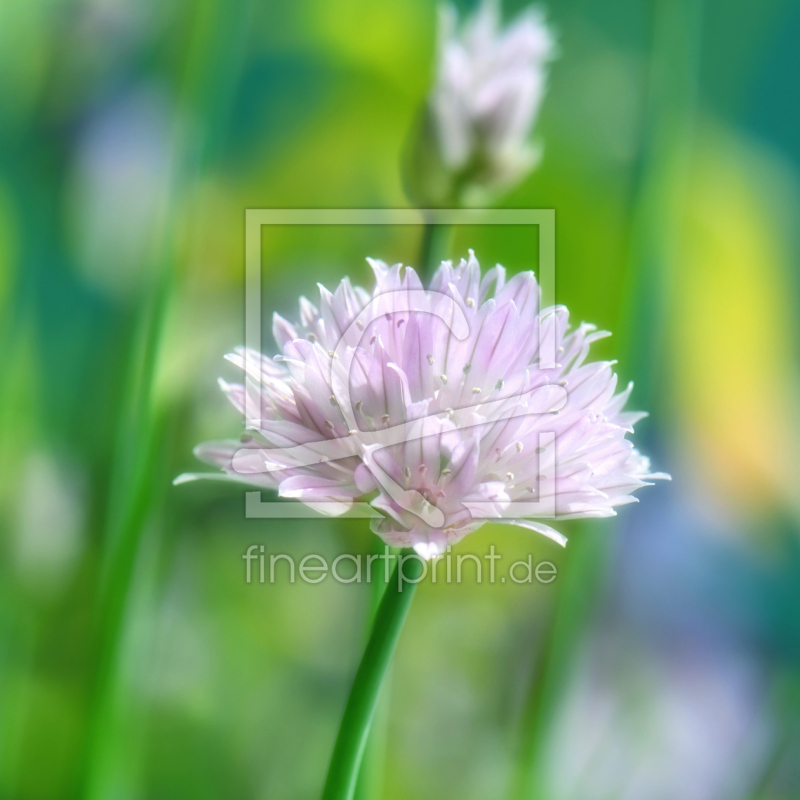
734	335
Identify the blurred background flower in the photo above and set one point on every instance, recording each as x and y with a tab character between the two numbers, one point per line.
475	136
133	136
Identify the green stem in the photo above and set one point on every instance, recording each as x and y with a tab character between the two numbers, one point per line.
213	60
663	160
360	709
659	184
370	775
433	248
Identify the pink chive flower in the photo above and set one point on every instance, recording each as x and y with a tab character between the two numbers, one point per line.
443	408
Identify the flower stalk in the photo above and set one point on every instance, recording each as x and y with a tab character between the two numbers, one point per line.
360	710
434	247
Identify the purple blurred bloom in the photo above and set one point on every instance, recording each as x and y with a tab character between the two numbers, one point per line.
447	407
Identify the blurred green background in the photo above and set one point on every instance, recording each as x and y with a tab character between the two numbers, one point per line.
135	662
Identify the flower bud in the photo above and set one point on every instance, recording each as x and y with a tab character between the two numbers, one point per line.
473	140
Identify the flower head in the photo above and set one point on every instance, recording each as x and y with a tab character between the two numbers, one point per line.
489	85
445	408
